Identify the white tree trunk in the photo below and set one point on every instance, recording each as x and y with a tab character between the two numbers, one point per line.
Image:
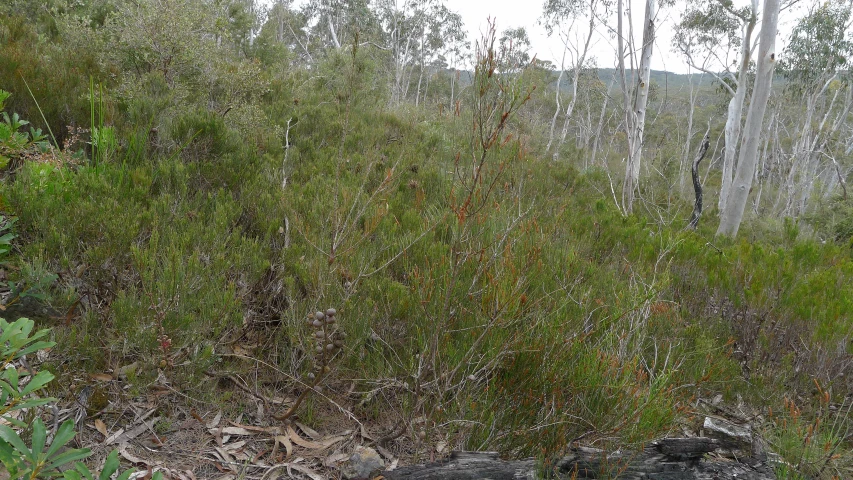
597	135
557	99
641	98
732	216
735	111
334	33
627	190
578	67
691	109
421	75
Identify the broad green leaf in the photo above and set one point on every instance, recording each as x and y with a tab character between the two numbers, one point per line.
127	474
15	421
12	438
8	456
63	436
110	466
6	387
34	347
8	237
11	375
40	380
68	456
83	470
39	437
71	475
34	402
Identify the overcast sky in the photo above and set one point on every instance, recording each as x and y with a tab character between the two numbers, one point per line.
526	13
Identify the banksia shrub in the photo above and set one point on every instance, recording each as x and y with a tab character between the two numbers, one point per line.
328	341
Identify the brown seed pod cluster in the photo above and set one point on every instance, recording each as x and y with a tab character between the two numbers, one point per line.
327	341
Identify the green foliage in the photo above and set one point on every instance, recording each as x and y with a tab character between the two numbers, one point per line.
15	144
42	459
820	44
811	438
504	297
55	73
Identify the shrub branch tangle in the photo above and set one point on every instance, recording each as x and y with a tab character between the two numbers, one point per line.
496	98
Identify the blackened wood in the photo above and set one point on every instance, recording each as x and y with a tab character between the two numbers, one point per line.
666	459
697	185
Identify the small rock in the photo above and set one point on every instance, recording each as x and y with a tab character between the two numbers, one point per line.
362	464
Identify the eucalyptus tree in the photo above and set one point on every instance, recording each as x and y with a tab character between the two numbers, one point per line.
444	42
635	97
513	50
561	16
288	27
732	214
707	33
414	31
331	23
817	66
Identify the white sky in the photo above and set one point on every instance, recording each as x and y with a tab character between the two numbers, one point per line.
526	13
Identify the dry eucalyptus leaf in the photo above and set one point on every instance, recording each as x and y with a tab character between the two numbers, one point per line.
231	447
101	427
213	423
308	431
285	440
334	459
301	441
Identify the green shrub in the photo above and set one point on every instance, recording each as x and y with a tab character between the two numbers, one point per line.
39	459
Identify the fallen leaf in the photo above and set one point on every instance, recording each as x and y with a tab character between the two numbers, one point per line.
231	447
385	453
101	427
308	431
440	446
365	435
252	428
299	468
213	423
124	437
284	440
112	438
307	471
335	459
301	441
329	441
236	431
101	377
132	458
226	458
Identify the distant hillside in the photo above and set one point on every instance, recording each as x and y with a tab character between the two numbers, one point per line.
662	78
659	77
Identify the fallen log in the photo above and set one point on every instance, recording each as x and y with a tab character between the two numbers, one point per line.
666	459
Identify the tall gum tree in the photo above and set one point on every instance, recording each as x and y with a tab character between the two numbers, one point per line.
563	16
816	64
635	98
732	216
706	35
